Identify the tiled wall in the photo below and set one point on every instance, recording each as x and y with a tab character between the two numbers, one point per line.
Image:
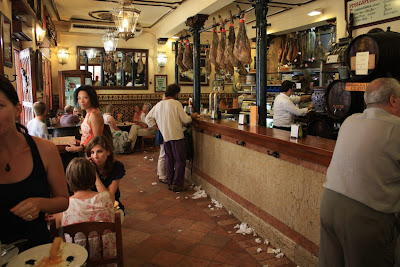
125	104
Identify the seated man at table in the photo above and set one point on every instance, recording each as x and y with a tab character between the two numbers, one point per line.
37	127
139	129
69	119
285	108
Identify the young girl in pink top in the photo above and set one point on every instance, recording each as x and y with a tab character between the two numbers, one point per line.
88	206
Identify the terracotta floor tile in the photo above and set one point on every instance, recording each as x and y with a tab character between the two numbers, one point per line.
192	235
166	258
228	222
203	226
239	259
141	252
217	264
145	216
156	241
253	250
173	212
203	202
160	230
233	246
214	240
188	261
172	233
276	262
136	236
181	223
180	246
249	243
205	252
162	219
291	264
264	255
214	213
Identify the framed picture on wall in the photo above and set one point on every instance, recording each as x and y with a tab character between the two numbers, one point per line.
160	83
6	42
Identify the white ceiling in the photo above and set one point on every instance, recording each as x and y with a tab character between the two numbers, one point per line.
164	17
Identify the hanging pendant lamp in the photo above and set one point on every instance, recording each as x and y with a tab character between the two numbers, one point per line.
110	41
125	17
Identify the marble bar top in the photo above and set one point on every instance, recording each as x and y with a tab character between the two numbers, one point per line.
312	148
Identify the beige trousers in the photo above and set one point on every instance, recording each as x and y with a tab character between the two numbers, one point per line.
161	170
136	131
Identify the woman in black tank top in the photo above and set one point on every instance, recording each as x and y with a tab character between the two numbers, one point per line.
32	180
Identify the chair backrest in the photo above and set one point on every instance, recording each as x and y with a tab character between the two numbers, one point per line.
99	227
107	133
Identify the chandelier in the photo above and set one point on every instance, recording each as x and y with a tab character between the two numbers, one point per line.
125	18
110	41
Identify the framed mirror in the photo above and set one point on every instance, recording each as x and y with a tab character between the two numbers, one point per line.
186	77
124	69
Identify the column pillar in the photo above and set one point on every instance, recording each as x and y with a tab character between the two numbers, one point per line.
196	23
261	59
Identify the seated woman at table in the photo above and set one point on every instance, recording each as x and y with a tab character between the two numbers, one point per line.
109	171
137	114
32	179
119	137
93	124
87	206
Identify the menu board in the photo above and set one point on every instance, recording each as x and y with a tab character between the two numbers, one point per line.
160	83
367	12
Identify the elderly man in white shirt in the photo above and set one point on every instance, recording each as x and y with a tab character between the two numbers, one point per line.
285	108
170	117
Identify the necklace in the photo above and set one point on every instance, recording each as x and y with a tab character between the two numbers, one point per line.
8	169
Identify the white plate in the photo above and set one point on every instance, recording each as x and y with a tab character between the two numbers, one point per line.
37	253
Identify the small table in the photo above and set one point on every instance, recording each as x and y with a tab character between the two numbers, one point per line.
62	142
125	126
58	130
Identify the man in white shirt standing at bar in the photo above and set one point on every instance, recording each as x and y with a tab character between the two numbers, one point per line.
359	226
170	117
285	108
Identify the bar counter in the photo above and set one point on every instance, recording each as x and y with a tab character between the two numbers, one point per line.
312	148
267	179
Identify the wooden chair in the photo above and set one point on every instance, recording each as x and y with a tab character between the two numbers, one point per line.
148	137
99	227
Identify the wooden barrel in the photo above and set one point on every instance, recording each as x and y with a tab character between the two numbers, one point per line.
341	103
384	54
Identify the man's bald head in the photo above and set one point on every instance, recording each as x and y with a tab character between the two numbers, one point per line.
379	91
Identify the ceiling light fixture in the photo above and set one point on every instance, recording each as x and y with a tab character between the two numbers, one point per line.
315	12
125	17
91	54
110	41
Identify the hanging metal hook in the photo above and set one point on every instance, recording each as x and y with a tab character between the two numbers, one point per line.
6	76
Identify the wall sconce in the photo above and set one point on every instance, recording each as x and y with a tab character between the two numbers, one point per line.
161	60
40	34
63	55
315	12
